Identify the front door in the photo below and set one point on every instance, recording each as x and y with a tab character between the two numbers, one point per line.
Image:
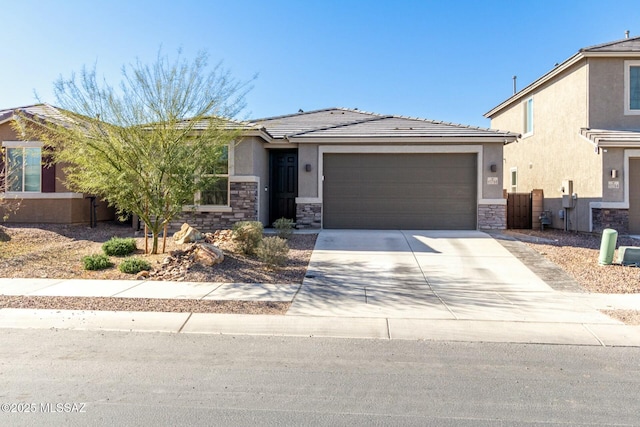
284	184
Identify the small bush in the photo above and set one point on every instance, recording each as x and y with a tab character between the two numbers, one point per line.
119	246
134	265
273	251
96	262
284	227
247	235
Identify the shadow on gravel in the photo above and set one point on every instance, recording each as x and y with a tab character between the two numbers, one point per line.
4	237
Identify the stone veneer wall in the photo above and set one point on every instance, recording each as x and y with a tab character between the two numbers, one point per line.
308	215
618	219
243	200
492	217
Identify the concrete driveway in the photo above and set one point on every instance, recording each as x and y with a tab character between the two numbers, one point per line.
429	275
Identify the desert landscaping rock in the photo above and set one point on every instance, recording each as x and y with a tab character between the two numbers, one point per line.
187	234
145	304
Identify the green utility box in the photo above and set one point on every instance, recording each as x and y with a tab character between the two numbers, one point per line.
608	246
629	255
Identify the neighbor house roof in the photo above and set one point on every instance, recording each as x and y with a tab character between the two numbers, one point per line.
342	124
36	111
628	47
604	138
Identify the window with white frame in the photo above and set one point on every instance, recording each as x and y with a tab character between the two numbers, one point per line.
23	169
528	117
631	87
216	192
514	180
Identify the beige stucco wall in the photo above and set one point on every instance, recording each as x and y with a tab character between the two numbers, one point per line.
308	181
59	211
555	151
492	154
251	159
606	95
613	188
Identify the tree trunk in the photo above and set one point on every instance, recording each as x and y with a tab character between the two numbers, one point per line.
164	238
154	248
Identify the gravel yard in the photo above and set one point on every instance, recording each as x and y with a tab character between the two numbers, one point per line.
578	253
55	251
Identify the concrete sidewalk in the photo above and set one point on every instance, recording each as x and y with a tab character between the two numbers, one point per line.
445	328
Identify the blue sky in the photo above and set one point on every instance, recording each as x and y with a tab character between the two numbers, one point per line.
443	60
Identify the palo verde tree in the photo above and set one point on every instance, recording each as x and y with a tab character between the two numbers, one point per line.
149	144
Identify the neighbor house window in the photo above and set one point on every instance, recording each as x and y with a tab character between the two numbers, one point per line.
514	180
632	87
528	117
24	168
217	192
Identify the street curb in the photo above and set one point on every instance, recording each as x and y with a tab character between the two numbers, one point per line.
617	335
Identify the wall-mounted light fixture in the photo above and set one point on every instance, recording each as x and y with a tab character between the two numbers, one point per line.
307	167
614	173
493	167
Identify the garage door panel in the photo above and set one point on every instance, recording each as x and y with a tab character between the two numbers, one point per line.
420	191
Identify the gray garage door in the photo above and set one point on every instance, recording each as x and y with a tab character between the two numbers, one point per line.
400	191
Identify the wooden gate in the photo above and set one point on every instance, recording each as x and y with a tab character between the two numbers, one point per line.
519	210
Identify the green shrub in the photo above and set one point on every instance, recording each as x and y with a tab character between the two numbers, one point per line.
247	235
96	262
119	246
134	265
284	227
273	251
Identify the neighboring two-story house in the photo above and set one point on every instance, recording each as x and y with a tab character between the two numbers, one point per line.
580	144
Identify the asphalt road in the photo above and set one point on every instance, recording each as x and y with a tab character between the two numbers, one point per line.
103	378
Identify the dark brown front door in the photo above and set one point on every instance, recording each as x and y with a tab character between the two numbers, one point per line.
284	184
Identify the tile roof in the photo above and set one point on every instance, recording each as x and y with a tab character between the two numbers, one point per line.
37	112
281	126
624	45
342	122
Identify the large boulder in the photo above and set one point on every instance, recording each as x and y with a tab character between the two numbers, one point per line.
187	234
208	254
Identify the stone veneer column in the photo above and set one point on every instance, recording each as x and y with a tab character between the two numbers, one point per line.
308	215
618	219
492	217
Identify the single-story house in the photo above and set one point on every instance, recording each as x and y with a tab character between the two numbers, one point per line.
345	168
330	168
